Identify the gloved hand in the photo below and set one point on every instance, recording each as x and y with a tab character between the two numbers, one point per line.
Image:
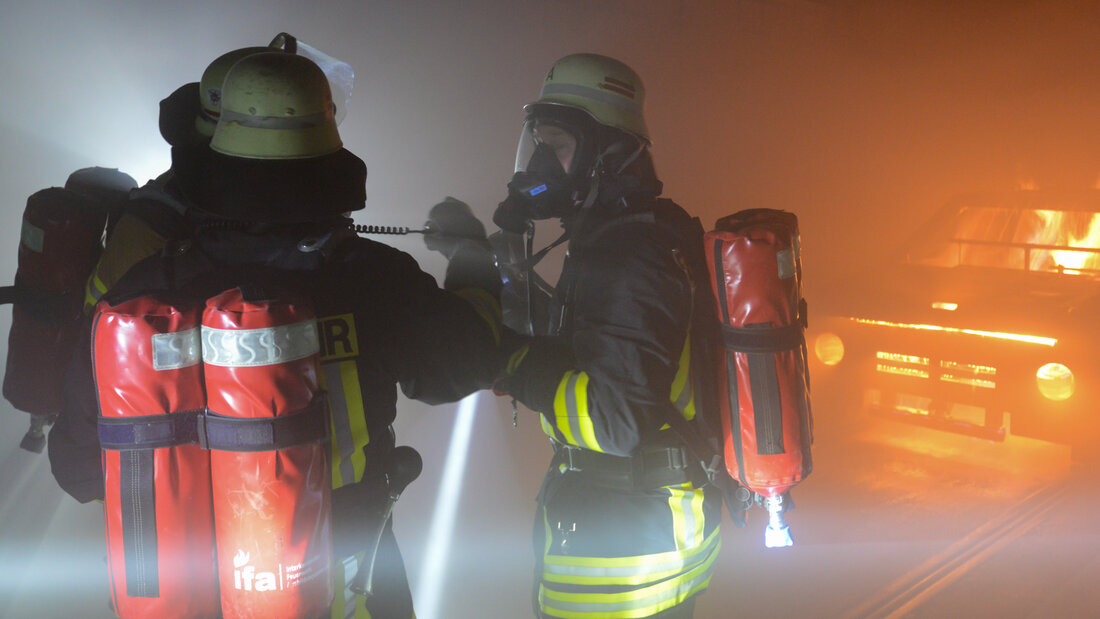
451	226
535	370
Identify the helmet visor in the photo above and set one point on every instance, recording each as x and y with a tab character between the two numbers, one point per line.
542	143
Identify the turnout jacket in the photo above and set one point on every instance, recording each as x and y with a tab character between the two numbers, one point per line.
620	361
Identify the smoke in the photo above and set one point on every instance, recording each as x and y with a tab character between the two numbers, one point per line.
861	117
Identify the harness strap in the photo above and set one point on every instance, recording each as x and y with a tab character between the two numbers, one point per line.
762	338
214	431
650	469
309	425
149	431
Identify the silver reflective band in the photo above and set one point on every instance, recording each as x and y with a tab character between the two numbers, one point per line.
275	122
174	351
256	347
32	236
592	93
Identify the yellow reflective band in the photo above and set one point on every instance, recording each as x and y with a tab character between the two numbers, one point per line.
687	515
486	306
639	572
516	359
549	430
549	539
349	432
93	292
356	416
571	411
615	562
561	411
683	396
642	602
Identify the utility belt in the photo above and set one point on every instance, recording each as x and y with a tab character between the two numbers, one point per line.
650	469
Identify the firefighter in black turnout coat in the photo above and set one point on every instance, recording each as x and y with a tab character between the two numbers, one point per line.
270	202
626	524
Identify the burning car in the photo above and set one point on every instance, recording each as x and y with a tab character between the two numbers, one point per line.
987	325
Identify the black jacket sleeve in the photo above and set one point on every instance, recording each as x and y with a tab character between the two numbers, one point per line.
439	345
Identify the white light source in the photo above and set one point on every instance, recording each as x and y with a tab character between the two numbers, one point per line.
430	589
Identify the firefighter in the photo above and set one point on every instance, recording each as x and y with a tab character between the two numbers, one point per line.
626	524
274	191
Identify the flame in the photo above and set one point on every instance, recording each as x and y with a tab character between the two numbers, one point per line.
1058	229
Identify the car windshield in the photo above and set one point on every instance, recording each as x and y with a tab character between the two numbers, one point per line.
1036	238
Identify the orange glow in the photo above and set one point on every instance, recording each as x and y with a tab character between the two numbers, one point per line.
1016	337
1058	229
1055	382
829	348
941	305
901	365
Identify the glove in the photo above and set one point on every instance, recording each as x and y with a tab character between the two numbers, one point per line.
452	225
535	370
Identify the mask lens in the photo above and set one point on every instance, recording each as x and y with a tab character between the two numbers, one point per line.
559	142
541	138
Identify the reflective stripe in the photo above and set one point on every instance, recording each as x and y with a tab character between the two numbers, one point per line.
516	359
177	350
93	291
550	430
625	570
571	411
641	602
683	396
258	347
357	419
487	307
686	503
275	122
343	472
591	93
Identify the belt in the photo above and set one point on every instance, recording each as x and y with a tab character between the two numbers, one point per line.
648	470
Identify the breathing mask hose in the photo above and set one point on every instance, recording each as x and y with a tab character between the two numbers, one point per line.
404	466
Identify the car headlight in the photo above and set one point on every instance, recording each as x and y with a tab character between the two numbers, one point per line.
1055	382
829	348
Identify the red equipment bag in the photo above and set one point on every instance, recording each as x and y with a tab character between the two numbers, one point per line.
755	268
59	245
157	506
267	429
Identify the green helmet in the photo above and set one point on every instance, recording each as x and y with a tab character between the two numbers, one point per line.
608	90
210	87
276	105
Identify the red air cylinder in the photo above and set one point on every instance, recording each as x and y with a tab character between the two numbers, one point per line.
756	274
271	483
160	528
59	245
